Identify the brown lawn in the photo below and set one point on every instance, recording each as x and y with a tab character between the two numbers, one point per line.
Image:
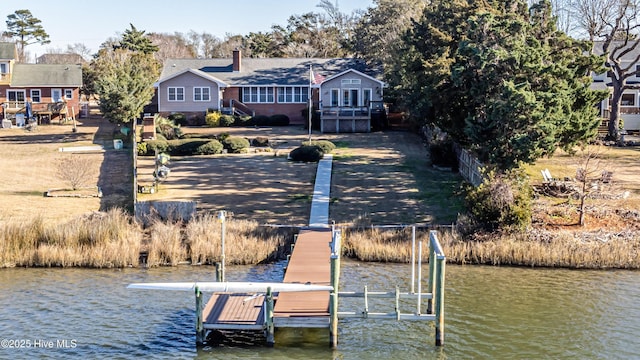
379	178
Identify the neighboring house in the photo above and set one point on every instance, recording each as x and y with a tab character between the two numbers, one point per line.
52	90
69	58
343	90
630	104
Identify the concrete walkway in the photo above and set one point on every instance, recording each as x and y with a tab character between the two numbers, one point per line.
319	217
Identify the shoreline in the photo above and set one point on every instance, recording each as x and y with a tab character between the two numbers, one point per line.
114	240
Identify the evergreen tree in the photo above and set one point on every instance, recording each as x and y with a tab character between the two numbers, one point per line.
123	77
135	40
27	28
501	80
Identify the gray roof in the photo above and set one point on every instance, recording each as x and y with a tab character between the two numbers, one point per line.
46	75
270	71
7	51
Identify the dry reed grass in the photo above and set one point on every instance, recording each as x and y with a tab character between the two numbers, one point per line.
549	249
112	239
101	241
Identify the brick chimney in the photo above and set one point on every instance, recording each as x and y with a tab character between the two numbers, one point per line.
237	60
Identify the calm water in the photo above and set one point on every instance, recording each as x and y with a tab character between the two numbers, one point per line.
490	313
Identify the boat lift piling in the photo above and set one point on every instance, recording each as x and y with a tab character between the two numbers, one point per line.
435	296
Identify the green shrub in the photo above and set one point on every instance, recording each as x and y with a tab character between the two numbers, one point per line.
243	120
306	153
178	118
501	202
184	147
212	119
222	136
168	128
142	148
279	120
235	144
326	145
160	137
211	148
260	120
260	141
227	120
159	146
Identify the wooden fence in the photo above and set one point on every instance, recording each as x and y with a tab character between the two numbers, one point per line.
470	168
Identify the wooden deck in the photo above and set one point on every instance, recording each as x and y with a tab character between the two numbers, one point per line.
309	263
226	311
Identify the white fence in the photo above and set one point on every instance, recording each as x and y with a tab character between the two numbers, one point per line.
469	167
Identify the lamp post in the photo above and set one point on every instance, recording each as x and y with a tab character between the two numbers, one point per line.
222	216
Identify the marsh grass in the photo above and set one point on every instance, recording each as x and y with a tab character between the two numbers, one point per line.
101	241
549	250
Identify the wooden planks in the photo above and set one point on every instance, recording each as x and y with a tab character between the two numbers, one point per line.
309	263
234	311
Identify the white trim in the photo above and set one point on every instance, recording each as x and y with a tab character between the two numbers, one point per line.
202	99
270	95
382	83
175	94
301	94
196	72
59	91
39	95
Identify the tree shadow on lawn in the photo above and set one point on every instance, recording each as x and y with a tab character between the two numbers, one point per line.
392	191
264	188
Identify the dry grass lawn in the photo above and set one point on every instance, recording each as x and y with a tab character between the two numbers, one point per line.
378	178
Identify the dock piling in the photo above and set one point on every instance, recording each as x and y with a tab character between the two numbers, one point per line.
200	330
270	329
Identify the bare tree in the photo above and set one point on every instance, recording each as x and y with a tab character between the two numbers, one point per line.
620	45
613	26
76	170
592	176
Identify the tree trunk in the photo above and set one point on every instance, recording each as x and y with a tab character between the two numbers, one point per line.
613	132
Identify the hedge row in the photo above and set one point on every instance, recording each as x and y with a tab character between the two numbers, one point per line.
181	147
216	119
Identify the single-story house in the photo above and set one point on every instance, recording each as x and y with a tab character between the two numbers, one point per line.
343	91
52	90
630	103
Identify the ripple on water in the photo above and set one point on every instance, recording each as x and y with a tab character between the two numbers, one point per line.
490	313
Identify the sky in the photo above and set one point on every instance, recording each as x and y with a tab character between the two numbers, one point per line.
91	22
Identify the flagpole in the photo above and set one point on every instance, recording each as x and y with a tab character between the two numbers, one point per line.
310	98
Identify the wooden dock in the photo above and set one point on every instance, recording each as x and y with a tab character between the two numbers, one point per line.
309	263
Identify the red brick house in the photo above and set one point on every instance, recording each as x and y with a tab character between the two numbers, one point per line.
52	89
345	88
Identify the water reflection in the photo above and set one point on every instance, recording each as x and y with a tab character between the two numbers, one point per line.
490	313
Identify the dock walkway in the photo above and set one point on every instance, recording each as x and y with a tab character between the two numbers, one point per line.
309	263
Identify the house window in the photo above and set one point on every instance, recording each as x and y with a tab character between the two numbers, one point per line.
366	97
56	95
638	71
348	82
335	97
36	96
15	95
293	94
628	100
175	93
201	94
257	94
68	94
3	68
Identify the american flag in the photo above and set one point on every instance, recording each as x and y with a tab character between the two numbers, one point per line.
315	78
